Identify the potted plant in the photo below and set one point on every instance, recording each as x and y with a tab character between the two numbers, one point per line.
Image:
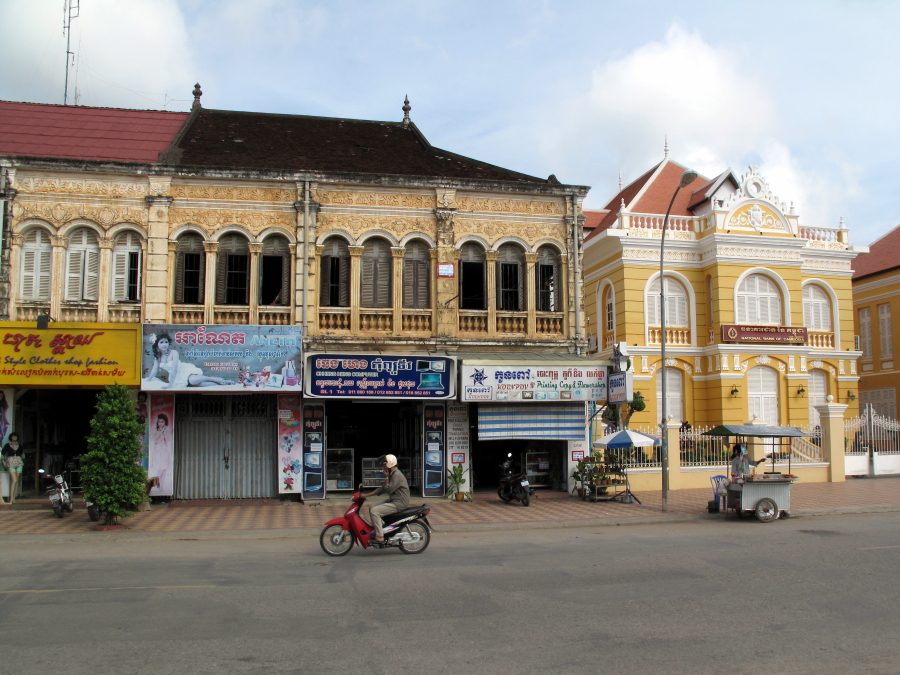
456	478
580	476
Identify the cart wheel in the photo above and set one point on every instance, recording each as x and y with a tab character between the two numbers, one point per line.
766	510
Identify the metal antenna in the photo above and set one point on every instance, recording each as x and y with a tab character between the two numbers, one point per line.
71	9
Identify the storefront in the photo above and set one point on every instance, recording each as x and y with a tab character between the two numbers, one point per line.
534	406
357	407
213	396
48	387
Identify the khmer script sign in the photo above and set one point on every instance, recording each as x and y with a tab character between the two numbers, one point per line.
531	383
389	376
792	335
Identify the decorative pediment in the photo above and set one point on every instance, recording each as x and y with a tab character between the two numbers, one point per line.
754	186
754	207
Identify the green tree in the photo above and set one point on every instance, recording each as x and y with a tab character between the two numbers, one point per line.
112	476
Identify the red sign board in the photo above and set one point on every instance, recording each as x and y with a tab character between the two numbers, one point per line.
792	335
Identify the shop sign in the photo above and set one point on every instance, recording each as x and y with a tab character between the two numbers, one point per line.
791	335
162	444
379	376
67	354
621	387
534	383
434	451
313	451
246	359
446	270
290	444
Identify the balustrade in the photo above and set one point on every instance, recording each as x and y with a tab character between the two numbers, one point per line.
187	314
232	315
332	319
473	321
376	320
31	312
549	323
609	341
674	336
78	313
274	316
124	313
820	340
416	321
512	323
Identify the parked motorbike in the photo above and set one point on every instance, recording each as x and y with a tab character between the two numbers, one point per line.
408	530
93	510
514	486
60	495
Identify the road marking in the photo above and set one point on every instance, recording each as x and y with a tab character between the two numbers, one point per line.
112	588
877	548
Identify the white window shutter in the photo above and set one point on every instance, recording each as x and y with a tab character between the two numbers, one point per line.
74	275
29	274
42	266
92	275
120	276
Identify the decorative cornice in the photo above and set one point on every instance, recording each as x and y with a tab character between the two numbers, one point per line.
210	246
228	193
376	199
255	247
444	215
159	200
213	219
60	214
83	187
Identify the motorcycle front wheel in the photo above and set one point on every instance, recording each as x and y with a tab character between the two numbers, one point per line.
336	541
505	497
525	499
58	511
93	513
416	528
70	507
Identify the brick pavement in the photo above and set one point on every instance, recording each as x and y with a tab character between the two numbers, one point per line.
852	495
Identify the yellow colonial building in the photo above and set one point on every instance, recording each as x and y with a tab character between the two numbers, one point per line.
759	308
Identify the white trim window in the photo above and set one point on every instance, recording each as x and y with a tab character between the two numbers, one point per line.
885	332
126	268
83	266
37	257
610	305
816	308
676	304
547	272
758	301
762	395
674	393
865	331
818	391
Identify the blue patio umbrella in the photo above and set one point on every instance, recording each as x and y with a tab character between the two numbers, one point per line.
626	439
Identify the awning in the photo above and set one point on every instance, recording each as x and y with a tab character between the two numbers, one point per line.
539	421
755	430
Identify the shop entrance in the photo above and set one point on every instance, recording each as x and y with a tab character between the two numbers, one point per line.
358	432
543	461
225	446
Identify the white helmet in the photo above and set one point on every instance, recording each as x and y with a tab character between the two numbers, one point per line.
389	461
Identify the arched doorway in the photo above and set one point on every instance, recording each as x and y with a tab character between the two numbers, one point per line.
762	399
818	390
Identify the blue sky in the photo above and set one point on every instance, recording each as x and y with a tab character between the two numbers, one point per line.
808	91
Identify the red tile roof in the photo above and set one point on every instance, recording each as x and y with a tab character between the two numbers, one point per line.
883	255
592	219
80	132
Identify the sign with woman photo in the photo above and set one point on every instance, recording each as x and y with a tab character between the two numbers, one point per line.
246	359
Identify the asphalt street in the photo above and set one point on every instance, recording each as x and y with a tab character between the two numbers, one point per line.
806	595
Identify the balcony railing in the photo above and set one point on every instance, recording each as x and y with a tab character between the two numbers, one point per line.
334	319
609	340
231	315
274	316
512	323
549	323
187	314
674	336
31	312
78	313
473	322
380	320
820	340
121	313
416	321
824	237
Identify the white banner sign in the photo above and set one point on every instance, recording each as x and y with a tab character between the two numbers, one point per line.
534	383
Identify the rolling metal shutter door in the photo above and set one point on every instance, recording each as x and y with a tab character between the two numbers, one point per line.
539	421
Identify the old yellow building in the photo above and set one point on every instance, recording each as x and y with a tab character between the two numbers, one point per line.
758	304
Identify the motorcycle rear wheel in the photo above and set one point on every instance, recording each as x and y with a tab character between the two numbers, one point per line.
58	511
416	546
93	513
70	507
336	541
506	498
526	499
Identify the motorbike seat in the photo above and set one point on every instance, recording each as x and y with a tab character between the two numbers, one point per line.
411	511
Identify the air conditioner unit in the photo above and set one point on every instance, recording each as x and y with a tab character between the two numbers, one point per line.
593	342
856	343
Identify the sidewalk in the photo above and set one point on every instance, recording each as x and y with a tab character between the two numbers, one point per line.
854	496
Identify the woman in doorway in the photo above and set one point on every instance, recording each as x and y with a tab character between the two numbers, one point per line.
181	375
13	459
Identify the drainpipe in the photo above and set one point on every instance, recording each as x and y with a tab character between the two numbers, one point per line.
305	251
576	242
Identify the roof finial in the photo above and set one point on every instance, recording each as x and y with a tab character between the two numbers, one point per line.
666	147
406	109
620	180
842	224
197	94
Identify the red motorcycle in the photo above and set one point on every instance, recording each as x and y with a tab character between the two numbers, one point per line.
409	530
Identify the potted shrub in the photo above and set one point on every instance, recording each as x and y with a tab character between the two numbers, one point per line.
580	475
456	478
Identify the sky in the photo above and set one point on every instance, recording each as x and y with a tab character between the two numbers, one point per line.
805	90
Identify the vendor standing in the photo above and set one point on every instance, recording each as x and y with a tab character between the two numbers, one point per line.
741	463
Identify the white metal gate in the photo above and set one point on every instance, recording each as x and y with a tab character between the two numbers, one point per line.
872	444
225	446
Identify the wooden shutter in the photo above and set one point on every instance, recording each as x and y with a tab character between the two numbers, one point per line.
120	276
344	276
367	282
520	267
409	281
324	280
653	304
74	274
884	330
865	330
29	273
221	269
92	275
43	261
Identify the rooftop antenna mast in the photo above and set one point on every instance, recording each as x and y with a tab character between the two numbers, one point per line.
71	9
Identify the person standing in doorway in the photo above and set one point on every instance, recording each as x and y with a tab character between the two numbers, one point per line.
395	486
13	459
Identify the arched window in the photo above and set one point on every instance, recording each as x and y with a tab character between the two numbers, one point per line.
758	301
83	266
37	256
416	276
818	391
676	304
816	308
609	310
674	393
548	280
126	268
190	270
762	390
334	276
510	278
275	271
233	270
472	277
375	274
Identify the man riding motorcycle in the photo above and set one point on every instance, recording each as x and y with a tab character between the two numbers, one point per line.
395	486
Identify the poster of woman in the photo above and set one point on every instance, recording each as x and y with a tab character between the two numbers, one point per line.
162	443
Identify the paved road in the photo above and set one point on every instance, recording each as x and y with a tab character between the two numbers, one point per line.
808	595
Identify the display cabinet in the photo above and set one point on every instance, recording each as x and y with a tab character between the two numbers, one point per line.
339	470
373	476
537	468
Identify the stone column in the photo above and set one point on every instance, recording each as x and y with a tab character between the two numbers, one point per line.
58	279
446	294
432	292
8	270
491	299
531	293
209	292
673	443
355	258
255	250
568	320
105	282
313	319
304	274
832	423
397	254
15	270
158	297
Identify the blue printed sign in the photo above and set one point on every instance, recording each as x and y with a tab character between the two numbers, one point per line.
390	376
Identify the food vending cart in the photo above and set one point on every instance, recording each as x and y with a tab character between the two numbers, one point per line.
766	495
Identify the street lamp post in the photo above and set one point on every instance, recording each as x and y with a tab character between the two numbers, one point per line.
687	178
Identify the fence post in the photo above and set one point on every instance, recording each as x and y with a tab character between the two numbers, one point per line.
832	422
673	440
